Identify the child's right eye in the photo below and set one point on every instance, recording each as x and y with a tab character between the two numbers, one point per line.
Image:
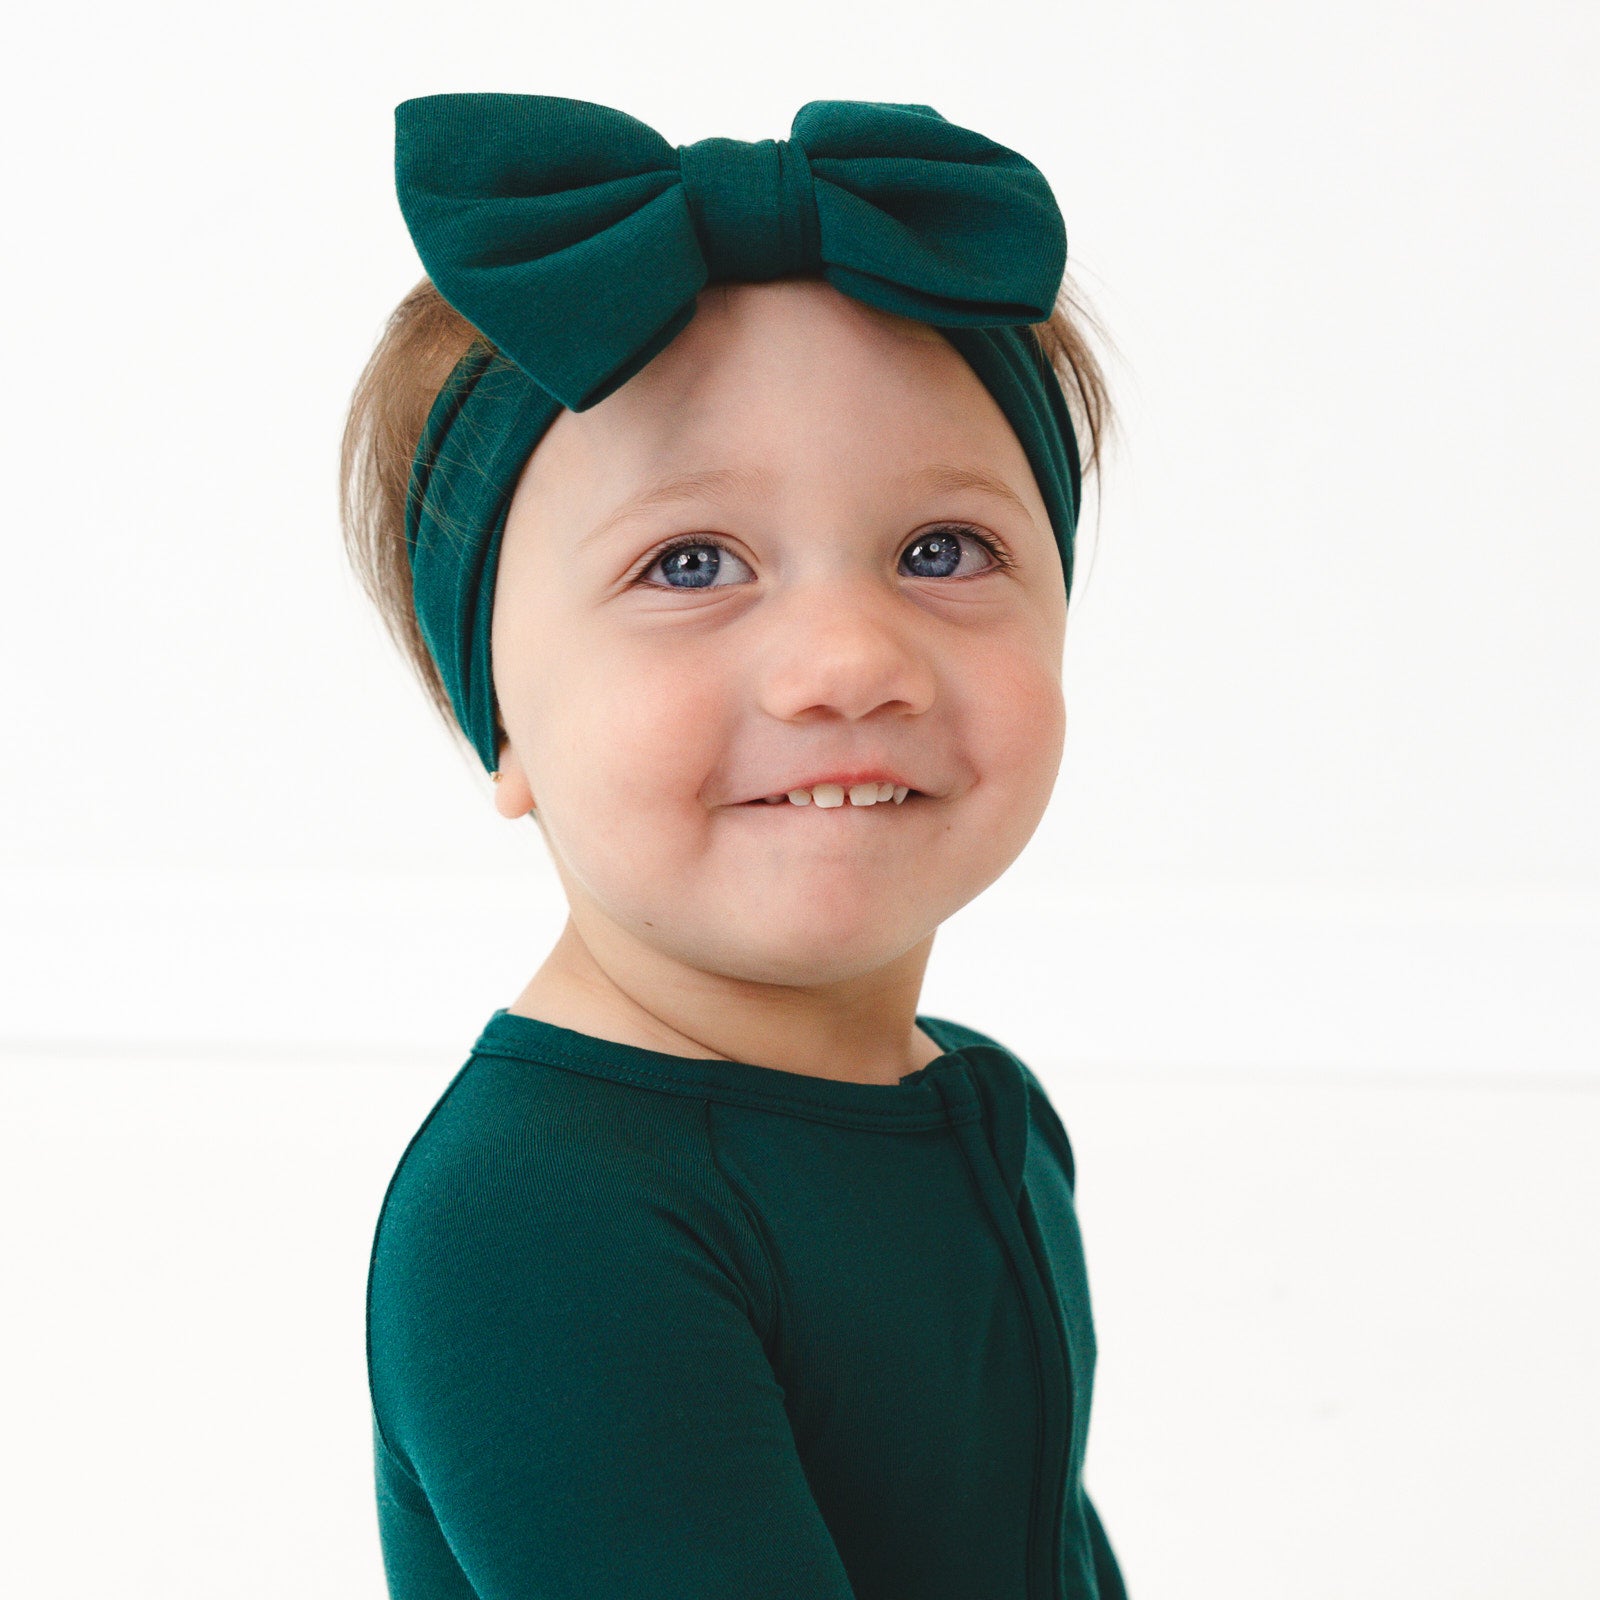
691	563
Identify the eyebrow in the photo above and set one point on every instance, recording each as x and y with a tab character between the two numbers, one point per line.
949	477
714	483
721	483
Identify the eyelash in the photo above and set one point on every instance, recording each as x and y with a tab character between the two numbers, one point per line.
997	552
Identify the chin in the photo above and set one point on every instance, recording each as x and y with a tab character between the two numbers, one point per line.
796	951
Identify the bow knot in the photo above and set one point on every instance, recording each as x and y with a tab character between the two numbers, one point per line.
754	208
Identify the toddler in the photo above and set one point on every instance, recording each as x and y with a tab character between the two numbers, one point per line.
723	496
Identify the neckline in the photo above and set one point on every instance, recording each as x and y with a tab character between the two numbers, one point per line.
919	1098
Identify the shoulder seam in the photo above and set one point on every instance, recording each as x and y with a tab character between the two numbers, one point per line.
776	1320
407	1477
1049	1110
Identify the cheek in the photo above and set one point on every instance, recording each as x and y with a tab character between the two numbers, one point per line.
1014	716
621	735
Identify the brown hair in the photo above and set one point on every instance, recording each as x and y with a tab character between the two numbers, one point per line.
422	341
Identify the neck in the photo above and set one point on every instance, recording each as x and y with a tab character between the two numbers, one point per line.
598	981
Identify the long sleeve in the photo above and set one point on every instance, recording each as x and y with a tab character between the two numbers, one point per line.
571	1393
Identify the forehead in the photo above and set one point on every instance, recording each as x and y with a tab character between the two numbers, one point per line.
792	376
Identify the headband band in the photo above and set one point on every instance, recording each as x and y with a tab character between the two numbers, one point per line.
575	238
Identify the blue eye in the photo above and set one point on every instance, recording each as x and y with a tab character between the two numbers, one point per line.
691	564
697	563
940	550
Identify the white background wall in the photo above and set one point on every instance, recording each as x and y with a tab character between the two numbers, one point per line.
1305	947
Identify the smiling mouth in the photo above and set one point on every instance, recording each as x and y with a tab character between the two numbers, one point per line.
835	797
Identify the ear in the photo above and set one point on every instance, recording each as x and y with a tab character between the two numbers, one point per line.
512	796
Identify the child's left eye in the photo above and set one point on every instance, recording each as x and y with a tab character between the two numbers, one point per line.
940	549
696	563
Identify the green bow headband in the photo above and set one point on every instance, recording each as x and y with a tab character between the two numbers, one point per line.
575	238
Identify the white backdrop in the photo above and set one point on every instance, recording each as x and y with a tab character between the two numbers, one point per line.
1326	816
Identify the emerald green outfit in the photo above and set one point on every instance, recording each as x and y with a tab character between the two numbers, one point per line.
648	1327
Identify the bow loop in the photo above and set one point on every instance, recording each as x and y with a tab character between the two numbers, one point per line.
928	219
754	208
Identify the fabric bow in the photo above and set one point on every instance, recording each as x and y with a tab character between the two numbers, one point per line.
575	238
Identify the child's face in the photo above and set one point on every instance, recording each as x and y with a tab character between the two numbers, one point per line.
643	713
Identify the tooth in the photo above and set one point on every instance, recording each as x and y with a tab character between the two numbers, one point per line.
863	794
901	790
828	794
886	791
774	799
799	797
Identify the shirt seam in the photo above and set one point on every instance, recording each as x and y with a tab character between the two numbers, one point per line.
1035	1511
760	1100
777	1317
410	1485
1055	1128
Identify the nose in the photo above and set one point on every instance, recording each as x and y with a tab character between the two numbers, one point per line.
846	648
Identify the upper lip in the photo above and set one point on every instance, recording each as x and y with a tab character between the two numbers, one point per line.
845	777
